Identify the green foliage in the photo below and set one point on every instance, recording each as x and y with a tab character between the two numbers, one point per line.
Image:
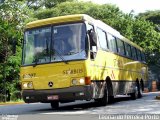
37	4
12	20
2	98
151	35
152	16
16	95
94	10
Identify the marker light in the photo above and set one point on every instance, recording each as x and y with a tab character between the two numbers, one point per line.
88	80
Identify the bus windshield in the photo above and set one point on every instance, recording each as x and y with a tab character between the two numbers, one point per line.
54	43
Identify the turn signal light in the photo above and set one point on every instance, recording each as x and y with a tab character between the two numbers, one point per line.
88	80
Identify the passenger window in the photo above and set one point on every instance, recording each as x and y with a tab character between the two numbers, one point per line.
134	53
143	57
102	39
128	50
112	43
120	45
139	55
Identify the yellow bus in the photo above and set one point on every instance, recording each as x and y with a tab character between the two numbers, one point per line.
77	57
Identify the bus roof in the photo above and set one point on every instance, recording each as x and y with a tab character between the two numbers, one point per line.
79	17
60	19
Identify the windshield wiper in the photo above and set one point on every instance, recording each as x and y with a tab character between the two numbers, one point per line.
66	62
35	61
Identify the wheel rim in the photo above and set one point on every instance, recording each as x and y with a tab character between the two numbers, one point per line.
136	92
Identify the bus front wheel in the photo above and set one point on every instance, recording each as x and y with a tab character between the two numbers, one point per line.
55	105
106	99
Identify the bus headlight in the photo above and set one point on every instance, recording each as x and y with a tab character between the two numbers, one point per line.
24	85
78	81
27	85
82	81
30	85
74	82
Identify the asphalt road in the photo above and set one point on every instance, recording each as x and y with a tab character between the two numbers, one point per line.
82	109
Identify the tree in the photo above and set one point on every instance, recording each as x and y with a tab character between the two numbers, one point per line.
12	19
152	16
36	4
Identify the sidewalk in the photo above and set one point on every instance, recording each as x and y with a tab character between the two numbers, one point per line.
11	103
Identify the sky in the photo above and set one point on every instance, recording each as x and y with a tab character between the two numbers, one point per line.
138	6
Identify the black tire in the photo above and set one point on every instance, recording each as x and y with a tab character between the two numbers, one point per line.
55	105
106	99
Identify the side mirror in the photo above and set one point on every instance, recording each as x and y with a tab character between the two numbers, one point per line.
93	38
94	49
93	43
93	52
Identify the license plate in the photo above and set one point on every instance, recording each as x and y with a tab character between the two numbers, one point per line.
53	97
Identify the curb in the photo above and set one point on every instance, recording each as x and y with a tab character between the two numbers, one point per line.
158	97
11	103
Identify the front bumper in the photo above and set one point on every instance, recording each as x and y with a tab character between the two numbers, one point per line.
64	94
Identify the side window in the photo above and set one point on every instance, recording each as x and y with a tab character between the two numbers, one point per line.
120	45
143	57
112	43
102	39
139	55
134	53
128	50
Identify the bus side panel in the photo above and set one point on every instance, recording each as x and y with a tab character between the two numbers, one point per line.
123	73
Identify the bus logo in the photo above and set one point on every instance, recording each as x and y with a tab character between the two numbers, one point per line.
73	71
50	84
